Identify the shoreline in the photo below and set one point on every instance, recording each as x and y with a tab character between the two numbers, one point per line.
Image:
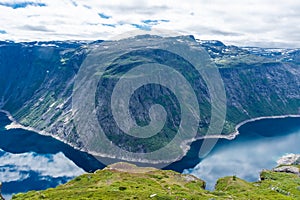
236	132
184	146
232	135
16	125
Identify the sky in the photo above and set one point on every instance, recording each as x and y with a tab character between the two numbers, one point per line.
264	23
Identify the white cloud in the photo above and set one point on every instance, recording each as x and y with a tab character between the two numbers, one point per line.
17	167
249	22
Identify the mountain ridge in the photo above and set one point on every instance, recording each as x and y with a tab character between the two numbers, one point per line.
37	88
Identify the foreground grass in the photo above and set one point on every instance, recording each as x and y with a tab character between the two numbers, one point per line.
125	181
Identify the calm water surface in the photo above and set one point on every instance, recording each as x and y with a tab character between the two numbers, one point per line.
29	161
259	145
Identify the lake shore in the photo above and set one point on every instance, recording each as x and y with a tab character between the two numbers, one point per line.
232	135
16	125
260	118
184	146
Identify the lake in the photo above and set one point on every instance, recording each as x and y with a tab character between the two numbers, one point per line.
258	146
29	161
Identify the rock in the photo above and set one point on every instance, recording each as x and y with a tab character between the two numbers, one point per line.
287	169
189	177
131	168
289	159
297	162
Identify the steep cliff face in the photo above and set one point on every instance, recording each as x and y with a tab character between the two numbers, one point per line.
37	80
36	83
261	90
258	82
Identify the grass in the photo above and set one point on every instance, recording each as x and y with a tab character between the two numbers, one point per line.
126	181
273	185
114	184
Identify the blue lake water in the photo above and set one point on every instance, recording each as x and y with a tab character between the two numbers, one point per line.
29	161
259	146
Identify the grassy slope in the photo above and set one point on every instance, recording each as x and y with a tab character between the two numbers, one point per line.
129	182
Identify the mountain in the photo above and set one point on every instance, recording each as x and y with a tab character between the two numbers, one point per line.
127	181
37	82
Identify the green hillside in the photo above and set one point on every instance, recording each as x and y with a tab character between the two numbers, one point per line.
127	181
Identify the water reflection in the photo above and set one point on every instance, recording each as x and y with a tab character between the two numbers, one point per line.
259	145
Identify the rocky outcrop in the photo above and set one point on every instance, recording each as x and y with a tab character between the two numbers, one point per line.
297	162
289	159
287	169
130	168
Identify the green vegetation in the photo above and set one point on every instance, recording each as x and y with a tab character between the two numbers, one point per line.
38	84
126	181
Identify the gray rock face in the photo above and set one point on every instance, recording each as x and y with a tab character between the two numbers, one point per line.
297	162
290	159
287	169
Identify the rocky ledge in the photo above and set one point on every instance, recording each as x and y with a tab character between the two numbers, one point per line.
289	159
287	169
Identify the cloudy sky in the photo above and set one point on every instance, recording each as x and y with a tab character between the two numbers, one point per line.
267	23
